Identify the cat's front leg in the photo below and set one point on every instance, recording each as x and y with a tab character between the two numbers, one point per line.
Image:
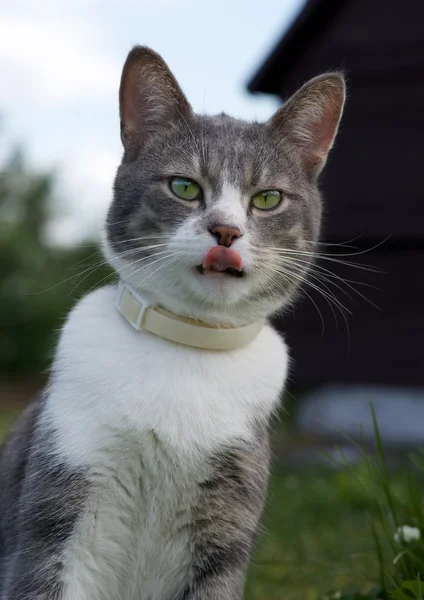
217	586
226	520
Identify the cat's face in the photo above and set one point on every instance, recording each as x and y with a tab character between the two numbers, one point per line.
210	213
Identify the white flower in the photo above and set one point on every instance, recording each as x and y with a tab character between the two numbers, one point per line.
407	534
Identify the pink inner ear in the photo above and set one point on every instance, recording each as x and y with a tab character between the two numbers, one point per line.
310	118
322	133
131	105
131	97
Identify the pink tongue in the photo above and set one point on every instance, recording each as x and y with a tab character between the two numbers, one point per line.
220	258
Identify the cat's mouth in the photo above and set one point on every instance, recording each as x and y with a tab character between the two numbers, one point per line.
231	271
223	261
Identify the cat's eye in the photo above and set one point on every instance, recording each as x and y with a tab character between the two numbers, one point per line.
267	199
185	188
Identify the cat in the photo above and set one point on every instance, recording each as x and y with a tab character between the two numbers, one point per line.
141	470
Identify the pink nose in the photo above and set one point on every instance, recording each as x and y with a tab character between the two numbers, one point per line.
225	235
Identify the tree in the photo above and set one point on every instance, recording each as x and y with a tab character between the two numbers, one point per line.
38	282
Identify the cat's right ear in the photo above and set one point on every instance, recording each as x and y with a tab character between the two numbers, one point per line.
149	98
309	120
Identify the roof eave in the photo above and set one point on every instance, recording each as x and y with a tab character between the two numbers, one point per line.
313	17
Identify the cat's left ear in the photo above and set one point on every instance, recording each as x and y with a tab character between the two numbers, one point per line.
309	120
150	98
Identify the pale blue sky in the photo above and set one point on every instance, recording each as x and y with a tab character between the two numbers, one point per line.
60	65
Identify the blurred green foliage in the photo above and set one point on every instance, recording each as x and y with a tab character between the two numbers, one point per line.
39	282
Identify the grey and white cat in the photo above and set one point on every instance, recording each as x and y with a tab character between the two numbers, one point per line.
141	472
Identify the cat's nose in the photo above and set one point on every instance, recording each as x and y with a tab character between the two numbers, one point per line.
225	235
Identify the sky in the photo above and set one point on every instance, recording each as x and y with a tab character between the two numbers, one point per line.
60	66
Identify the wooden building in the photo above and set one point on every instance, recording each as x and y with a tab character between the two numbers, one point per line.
373	186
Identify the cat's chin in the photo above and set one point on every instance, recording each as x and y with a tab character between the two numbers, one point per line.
223	298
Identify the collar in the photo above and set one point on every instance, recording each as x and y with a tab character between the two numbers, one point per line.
181	330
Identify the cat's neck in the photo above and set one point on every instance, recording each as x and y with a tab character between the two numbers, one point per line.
189	331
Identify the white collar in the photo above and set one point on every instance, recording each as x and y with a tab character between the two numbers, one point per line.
180	329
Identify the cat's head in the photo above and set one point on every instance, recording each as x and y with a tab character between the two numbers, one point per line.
214	217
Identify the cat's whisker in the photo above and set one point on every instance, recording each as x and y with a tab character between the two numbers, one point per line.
83	260
186	154
63	281
324	254
173	259
317	276
127	266
140	249
202	139
187	240
268	163
87	274
315	269
328	258
119	270
318	271
196	144
110	224
278	283
144	258
330	297
345	244
103	262
330	277
142	238
325	293
122	269
162	255
91	245
317	266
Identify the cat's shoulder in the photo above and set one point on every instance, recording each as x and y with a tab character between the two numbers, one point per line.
95	304
94	312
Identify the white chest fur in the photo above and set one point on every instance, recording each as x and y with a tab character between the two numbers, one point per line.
142	415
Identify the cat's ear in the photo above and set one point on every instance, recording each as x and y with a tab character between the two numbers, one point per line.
149	98
310	118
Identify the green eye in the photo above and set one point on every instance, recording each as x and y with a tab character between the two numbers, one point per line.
267	199
185	188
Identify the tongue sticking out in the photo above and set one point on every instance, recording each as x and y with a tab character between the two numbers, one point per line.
221	258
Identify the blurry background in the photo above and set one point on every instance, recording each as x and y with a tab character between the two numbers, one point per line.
360	339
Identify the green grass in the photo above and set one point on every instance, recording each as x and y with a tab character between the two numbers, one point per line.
317	537
330	534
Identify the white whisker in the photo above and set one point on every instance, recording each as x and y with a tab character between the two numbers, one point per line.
321	273
300	276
